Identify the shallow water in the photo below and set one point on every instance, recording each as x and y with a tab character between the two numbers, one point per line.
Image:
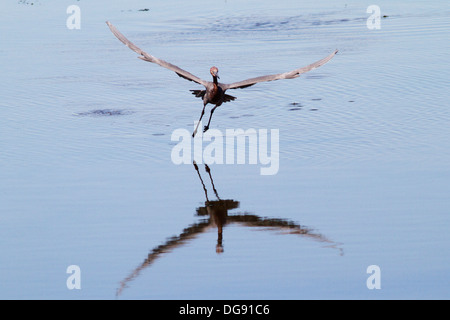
87	178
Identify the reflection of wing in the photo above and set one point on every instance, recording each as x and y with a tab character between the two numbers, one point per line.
287	226
147	57
172	243
287	75
248	220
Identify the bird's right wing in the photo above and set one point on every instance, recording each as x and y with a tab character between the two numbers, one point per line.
147	57
287	75
172	243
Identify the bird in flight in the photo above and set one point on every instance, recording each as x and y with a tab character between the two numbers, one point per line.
214	92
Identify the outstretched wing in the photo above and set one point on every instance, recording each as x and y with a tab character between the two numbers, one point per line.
287	75
147	57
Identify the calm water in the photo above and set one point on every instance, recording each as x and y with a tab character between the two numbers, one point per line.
86	176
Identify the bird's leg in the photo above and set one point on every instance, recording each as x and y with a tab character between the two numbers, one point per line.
201	180
209	121
201	116
207	169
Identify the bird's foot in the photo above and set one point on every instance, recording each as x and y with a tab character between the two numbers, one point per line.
205	128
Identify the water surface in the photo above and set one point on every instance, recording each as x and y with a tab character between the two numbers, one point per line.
86	176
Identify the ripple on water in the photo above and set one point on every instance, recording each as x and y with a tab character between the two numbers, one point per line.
104	113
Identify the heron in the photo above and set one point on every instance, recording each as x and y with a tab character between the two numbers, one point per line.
214	92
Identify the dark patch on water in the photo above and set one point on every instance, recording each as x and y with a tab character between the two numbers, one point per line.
295	106
264	24
104	113
141	10
316	99
31	3
328	22
316	76
257	23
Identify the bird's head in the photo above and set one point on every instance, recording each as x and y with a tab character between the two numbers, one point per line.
214	72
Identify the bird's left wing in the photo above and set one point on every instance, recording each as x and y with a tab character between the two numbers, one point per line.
287	75
147	57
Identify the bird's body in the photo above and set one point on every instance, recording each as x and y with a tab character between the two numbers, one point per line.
214	92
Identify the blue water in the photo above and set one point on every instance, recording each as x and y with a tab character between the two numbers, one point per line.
86	176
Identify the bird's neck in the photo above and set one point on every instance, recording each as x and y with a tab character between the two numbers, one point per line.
215	80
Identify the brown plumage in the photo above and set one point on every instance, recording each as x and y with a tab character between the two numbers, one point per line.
214	92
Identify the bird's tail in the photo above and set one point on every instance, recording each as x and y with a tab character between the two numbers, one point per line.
201	94
227	98
198	93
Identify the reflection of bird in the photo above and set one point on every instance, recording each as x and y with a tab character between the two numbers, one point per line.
217	210
218	216
214	92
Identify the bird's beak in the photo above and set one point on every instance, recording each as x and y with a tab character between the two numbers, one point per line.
216	74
